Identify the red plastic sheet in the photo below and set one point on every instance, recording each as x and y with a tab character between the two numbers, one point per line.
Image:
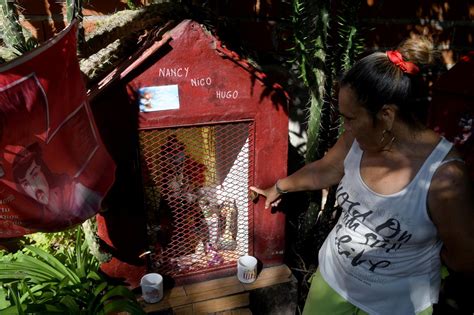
54	169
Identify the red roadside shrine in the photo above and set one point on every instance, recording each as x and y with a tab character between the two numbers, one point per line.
191	126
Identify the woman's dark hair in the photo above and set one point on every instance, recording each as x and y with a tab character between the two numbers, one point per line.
377	81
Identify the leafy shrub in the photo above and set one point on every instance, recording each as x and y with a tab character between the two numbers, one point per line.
35	281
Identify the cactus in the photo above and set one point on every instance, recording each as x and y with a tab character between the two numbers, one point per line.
11	30
310	21
12	33
126	23
100	62
324	45
71	9
74	10
6	54
121	31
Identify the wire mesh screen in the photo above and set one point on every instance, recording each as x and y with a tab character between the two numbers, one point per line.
196	196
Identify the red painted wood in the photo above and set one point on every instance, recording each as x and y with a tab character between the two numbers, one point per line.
216	86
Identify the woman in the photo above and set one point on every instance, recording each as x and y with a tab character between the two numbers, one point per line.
404	192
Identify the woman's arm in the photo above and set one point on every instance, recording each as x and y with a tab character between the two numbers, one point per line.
451	206
319	174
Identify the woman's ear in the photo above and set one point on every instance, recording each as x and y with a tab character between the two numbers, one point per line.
387	115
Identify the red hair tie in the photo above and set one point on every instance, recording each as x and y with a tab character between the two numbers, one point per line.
397	59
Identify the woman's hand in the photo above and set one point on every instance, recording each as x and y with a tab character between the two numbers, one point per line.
272	197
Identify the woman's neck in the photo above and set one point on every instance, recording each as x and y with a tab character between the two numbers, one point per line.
413	141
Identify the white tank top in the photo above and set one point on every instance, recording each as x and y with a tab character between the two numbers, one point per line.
383	253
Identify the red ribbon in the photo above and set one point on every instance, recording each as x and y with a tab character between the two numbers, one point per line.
397	59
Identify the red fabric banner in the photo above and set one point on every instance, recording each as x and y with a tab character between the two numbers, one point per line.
54	169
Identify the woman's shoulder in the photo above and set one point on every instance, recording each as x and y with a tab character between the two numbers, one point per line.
430	145
452	173
453	155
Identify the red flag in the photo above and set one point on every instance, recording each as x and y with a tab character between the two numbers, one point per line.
54	169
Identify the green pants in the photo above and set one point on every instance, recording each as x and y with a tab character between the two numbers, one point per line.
323	300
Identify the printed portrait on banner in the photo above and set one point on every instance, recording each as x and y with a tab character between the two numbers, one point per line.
54	169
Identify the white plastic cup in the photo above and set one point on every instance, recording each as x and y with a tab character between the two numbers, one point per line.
152	287
247	269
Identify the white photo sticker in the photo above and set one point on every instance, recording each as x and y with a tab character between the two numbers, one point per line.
156	98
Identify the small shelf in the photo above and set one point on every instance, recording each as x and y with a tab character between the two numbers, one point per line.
218	295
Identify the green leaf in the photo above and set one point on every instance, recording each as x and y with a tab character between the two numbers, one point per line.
100	288
94	276
4	303
33	263
46	296
39	290
56	264
19	270
79	258
27	294
94	304
70	304
444	272
15	298
12	310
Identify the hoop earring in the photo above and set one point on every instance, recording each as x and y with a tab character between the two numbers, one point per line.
384	133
